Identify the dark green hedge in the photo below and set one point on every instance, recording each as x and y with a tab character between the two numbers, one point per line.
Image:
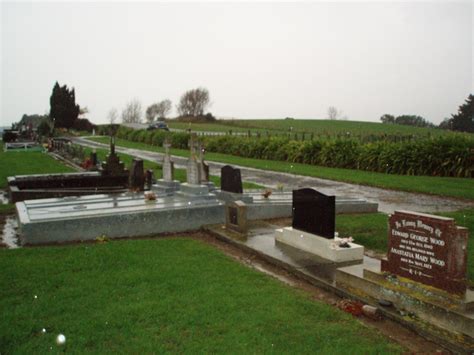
440	156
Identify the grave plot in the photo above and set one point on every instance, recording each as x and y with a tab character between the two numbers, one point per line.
421	284
111	177
424	275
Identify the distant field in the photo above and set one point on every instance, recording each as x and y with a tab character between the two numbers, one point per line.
317	127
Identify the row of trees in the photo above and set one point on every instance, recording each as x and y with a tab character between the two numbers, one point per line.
64	112
462	121
409	120
193	103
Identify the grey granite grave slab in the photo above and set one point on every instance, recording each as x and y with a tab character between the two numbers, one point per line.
115	216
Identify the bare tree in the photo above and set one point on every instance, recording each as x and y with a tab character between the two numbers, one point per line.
334	113
158	111
132	113
151	113
193	102
112	116
163	109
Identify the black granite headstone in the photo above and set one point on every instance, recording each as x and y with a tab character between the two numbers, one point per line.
231	181
137	176
149	178
314	212
93	158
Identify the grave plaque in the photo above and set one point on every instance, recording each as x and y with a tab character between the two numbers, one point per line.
231	179
314	212
427	249
236	216
233	215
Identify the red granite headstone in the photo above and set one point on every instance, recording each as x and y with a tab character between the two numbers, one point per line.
427	249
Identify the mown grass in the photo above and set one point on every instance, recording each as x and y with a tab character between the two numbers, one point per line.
163	295
21	163
179	174
7	208
318	127
370	230
442	186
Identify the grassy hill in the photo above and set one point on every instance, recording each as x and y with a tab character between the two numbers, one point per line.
318	127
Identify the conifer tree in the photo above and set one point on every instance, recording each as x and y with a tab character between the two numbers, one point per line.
64	111
464	119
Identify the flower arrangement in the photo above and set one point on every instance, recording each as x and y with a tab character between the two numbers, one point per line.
342	242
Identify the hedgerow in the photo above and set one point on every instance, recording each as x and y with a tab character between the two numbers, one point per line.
434	156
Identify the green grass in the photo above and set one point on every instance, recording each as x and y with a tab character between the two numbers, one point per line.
442	186
21	163
7	208
318	127
163	295
179	174
370	230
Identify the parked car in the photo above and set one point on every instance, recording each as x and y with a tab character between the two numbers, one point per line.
158	125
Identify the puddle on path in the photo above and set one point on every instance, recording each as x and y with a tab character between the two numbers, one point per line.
9	235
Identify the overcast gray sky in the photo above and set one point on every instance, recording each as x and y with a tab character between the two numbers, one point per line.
258	60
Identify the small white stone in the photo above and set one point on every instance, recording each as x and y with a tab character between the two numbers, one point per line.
60	339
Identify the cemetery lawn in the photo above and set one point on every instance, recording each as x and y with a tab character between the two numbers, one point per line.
20	163
161	295
370	230
443	186
7	208
179	174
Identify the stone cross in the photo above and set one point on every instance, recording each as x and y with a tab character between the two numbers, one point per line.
168	165
193	170
204	168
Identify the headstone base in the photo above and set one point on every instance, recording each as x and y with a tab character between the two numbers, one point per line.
323	247
232	196
191	189
167	187
427	304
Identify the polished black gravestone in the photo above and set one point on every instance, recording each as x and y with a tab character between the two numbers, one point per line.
314	212
137	176
231	180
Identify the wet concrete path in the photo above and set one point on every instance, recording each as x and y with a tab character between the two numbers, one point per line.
388	200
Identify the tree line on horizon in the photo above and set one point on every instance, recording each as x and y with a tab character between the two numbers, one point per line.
65	113
462	121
